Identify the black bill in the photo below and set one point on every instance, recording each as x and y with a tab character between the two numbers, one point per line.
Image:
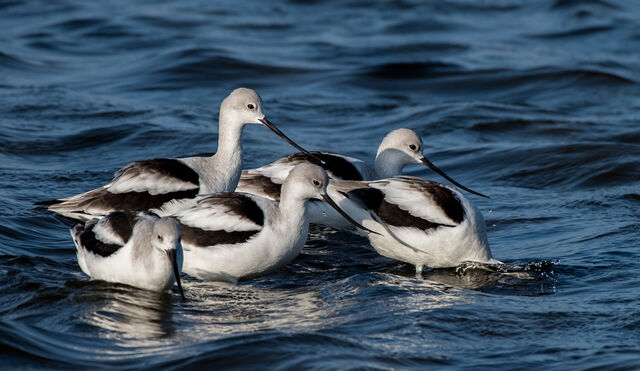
435	168
328	200
273	128
171	254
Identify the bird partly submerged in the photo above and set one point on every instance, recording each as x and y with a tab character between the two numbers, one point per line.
135	248
398	149
233	236
150	184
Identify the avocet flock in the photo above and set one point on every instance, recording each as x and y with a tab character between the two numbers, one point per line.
160	217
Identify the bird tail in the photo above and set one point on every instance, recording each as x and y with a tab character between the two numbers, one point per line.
44	205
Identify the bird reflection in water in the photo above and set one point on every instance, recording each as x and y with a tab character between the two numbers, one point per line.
128	313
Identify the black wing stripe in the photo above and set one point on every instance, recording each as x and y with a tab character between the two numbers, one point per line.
201	238
165	166
369	198
373	199
134	201
88	241
239	204
335	165
267	186
443	197
121	224
391	214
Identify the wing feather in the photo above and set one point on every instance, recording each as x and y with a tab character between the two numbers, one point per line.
425	199
226	211
107	235
155	176
220	219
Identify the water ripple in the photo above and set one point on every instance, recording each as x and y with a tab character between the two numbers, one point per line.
533	103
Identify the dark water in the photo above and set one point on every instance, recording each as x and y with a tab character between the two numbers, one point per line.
535	103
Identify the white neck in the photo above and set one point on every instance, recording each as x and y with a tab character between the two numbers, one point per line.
229	134
222	171
293	220
292	205
389	163
228	158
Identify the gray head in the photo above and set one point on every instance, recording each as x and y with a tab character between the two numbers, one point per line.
402	147
166	238
244	106
166	234
310	181
307	181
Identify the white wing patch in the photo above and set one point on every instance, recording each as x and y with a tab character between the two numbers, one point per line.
137	178
278	170
216	217
105	233
174	206
150	182
416	202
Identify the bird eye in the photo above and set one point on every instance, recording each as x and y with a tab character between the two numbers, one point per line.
316	183
160	237
412	147
250	106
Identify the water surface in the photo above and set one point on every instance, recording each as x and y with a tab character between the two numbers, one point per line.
534	103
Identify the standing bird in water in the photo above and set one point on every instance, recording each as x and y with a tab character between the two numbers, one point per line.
175	182
136	248
417	221
399	148
234	236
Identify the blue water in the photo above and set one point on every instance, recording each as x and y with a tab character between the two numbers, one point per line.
535	103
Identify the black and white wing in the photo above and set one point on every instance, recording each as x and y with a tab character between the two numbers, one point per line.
158	176
407	202
221	219
140	186
107	235
266	181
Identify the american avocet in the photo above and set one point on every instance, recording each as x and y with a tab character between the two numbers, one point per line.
399	148
417	221
232	236
136	248
150	184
